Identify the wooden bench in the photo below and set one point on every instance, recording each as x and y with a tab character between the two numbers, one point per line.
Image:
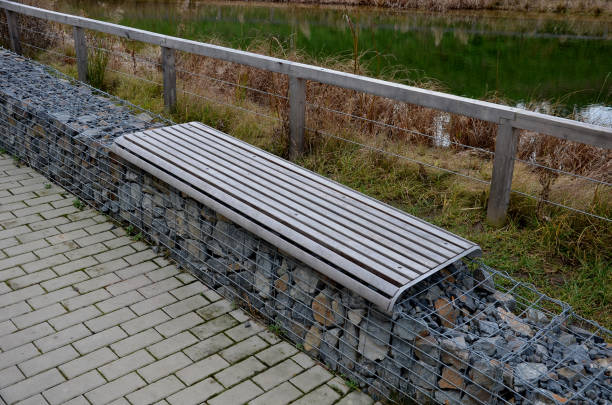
368	246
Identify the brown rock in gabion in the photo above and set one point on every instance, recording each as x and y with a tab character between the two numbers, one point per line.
451	379
446	312
321	310
281	283
312	341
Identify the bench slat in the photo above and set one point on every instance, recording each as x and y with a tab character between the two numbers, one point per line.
373	206
181	176
279	209
329	202
306	200
367	246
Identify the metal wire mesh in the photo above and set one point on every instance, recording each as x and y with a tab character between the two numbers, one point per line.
448	340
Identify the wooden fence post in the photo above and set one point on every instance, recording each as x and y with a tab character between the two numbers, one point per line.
80	46
503	168
169	73
13	31
297	116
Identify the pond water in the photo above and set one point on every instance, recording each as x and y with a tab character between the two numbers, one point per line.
523	58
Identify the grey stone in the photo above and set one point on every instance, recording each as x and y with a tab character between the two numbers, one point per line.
306	279
488	328
530	372
424	375
487	373
409	328
487	346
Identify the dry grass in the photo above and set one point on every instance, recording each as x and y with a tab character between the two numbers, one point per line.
596	7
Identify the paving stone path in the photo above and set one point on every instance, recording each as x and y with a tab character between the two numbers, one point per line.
90	316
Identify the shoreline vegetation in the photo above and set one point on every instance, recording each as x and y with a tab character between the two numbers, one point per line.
565	254
593	7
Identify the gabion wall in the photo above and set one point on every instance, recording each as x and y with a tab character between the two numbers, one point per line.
469	335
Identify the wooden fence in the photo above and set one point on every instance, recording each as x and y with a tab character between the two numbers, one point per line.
510	120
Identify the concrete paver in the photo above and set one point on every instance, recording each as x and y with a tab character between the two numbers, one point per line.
89	316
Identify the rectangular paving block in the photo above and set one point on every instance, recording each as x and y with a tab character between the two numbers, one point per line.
20	295
17	355
10	376
277	374
215	326
52	297
216	309
128	285
74	317
31	279
86	299
243	349
63	281
244	330
48	360
207	347
24	336
133	271
87	362
283	394
7	327
164	272
73	387
136	342
160	287
120	301
74	265
311	378
109	320
323	395
196	393
63	337
275	354
153	303
17	260
240	371
239	394
100	339
172	344
31	386
95	283
51	261
126	364
202	369
115	389
143	322
179	324
156	391
186	305
164	367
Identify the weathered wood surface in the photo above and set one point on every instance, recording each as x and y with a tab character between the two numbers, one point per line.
368	246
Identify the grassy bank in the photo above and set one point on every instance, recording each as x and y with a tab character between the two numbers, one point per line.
595	7
565	254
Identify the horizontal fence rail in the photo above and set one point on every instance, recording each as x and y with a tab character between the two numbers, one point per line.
510	120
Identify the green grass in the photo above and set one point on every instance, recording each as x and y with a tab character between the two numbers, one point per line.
567	256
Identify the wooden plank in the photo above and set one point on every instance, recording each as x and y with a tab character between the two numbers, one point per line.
503	168
80	47
248	218
363	288
565	129
359	219
13	31
374	207
279	211
169	73
316	212
297	116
